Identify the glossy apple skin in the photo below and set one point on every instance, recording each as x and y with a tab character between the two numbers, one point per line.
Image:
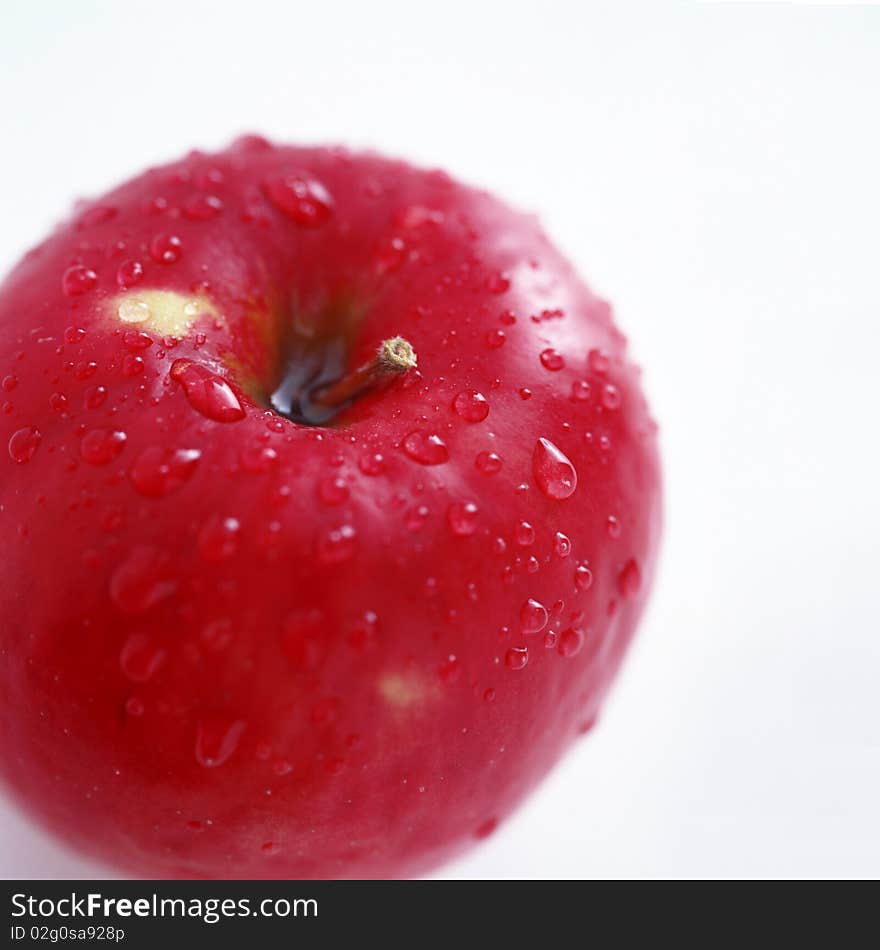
300	651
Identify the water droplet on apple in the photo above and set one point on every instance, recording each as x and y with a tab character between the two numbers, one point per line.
629	580
562	544
141	580
207	392
580	390
598	361
333	490
216	635
299	196
78	280
524	534
9	383
303	638
218	538
133	310
372	464
58	402
24	443
141	658
416	518
583	577
216	740
425	448
129	273
612	527
516	658
137	340
449	670
497	283
533	616
554	473
202	208
95	397
462	518
258	459
337	544
132	365
390	254
471	406
101	446
610	397
166	248
552	359
159	470
495	338
489	463
85	370
570	642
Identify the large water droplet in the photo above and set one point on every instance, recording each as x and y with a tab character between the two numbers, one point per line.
24	443
95	397
101	446
217	739
463	518
552	359
524	534
302	198
516	658
426	448
58	402
570	642
598	362
202	207
141	658
497	283
562	544
159	470
207	392
471	405
129	273
133	310
554	473
583	577
141	580
610	397
495	338
78	280
166	248
629	580
489	463
580	390
533	616
372	464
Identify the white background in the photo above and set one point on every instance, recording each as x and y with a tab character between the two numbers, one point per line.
714	170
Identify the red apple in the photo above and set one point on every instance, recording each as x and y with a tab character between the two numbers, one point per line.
274	606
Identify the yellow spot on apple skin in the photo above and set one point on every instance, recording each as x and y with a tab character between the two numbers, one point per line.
401	691
164	312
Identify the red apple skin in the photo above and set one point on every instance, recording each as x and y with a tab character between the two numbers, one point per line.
254	648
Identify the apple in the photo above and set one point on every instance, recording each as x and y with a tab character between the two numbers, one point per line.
330	504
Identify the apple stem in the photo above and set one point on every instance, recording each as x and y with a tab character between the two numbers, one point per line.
393	359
